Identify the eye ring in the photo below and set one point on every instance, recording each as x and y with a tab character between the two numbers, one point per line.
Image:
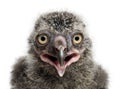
42	39
77	38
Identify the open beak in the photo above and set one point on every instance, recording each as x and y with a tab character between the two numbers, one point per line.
61	62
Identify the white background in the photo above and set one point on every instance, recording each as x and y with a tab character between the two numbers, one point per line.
102	17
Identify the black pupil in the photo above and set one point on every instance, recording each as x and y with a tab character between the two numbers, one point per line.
77	38
43	38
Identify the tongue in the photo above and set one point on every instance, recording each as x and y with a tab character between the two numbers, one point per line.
61	70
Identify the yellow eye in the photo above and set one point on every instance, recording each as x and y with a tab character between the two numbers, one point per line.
77	39
42	39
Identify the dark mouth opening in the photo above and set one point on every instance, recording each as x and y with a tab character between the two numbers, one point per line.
55	60
51	58
70	56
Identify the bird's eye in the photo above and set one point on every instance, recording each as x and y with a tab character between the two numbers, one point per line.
42	39
77	38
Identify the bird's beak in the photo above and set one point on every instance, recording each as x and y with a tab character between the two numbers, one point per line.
60	44
61	65
63	59
61	56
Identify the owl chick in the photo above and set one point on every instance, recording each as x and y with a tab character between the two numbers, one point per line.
59	56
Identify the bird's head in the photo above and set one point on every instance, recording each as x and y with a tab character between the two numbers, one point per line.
59	39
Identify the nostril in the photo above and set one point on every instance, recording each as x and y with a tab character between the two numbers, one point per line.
65	49
56	50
